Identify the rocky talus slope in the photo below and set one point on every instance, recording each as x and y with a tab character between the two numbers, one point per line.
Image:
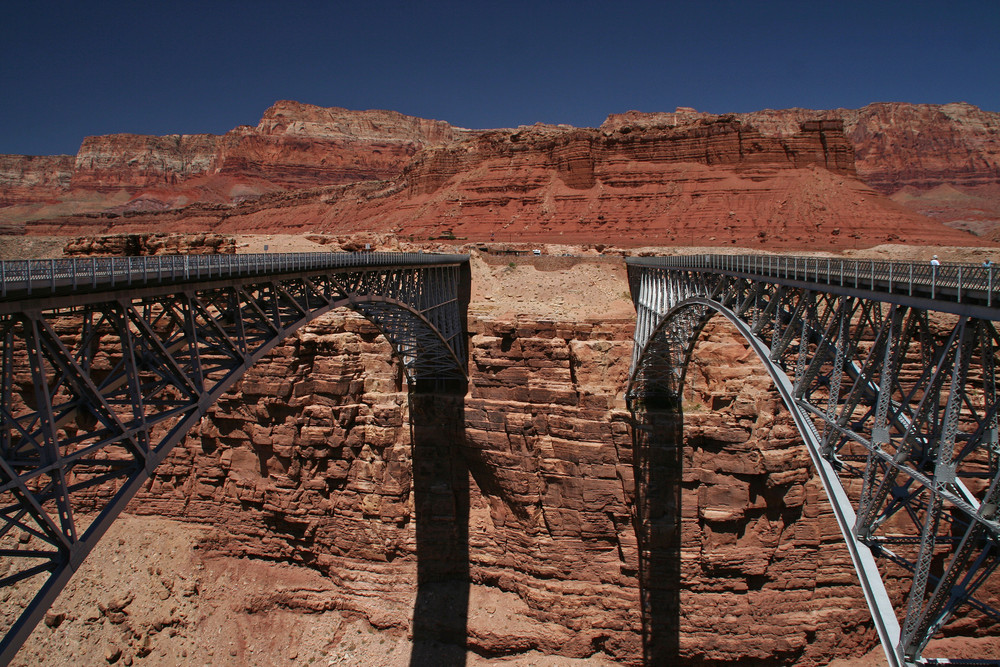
940	160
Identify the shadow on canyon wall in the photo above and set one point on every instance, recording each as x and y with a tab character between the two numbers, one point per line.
441	507
441	510
658	441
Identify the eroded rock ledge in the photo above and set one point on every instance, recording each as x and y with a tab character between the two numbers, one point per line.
308	462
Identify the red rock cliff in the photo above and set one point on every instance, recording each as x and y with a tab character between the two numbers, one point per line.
118	161
919	145
28	178
294	146
308	461
774	178
702	181
939	160
300	145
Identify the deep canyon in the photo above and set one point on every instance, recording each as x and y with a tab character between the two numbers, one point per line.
285	528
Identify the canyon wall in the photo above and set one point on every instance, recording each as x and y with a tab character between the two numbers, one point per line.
41	175
709	181
148	244
908	145
782	178
523	491
30	178
294	146
116	161
308	461
940	160
300	145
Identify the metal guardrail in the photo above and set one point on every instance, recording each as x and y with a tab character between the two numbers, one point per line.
23	277
959	283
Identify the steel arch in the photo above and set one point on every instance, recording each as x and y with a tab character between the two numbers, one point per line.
97	387
844	366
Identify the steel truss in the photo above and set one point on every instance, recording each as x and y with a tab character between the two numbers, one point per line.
895	396
96	387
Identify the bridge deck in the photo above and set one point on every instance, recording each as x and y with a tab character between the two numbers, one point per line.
106	363
36	283
897	406
962	289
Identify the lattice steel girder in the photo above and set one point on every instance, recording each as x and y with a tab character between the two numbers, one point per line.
97	388
923	442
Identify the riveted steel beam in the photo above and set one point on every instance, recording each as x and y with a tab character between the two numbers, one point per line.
889	371
106	364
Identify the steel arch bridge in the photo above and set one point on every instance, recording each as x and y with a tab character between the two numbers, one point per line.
105	364
889	371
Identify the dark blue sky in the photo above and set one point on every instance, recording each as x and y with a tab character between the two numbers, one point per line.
73	69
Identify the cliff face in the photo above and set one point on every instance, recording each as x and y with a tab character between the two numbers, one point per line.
294	146
939	160
314	461
300	146
787	178
25	178
148	244
583	157
118	161
308	461
637	180
917	145
942	161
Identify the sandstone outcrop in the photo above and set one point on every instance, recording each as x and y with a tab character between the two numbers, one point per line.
129	161
940	160
301	146
774	178
638	180
134	245
308	461
294	146
917	145
27	181
30	177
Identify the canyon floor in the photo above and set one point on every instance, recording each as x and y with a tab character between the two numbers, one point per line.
180	604
154	592
183	605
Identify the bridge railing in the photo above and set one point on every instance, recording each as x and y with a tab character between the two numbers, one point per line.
22	277
958	282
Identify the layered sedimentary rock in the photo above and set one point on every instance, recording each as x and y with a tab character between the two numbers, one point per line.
135	245
783	178
294	146
301	146
898	145
702	181
941	160
309	461
117	161
319	458
30	178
